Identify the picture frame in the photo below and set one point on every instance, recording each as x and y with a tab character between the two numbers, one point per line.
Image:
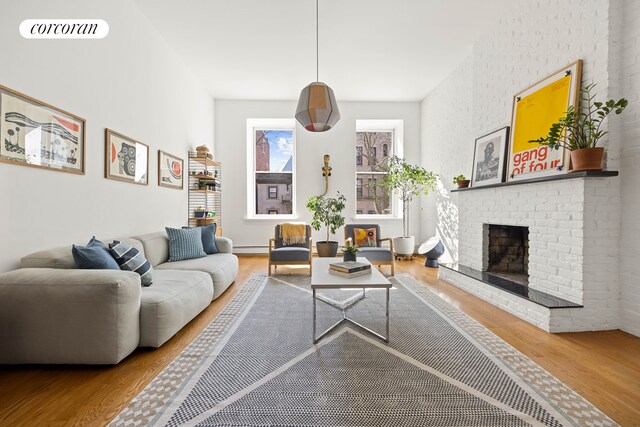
490	158
534	110
170	171
39	135
126	159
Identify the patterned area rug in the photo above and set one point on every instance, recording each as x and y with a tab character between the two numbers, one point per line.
256	365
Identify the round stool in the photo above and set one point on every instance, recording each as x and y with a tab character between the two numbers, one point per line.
432	249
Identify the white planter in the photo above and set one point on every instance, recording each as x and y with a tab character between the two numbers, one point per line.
404	245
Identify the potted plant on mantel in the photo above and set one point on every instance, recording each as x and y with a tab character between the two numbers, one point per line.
579	130
327	211
409	181
461	181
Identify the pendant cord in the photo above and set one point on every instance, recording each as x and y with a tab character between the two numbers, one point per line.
317	45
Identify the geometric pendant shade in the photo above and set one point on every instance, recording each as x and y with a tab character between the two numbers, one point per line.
317	108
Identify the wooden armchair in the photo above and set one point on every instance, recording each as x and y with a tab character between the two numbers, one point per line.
376	254
296	254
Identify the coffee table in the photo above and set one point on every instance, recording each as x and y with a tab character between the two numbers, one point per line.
322	279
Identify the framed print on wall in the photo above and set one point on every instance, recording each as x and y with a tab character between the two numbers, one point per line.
489	158
170	170
535	109
40	135
127	160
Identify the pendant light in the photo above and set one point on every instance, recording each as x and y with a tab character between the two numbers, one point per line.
317	107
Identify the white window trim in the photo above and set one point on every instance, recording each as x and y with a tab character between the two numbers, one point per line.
397	149
267	124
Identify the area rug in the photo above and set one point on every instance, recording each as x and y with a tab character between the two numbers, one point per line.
256	365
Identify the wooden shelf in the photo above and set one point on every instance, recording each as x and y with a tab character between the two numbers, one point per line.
205	178
206	191
205	161
570	175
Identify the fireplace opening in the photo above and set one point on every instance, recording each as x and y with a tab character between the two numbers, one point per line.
508	252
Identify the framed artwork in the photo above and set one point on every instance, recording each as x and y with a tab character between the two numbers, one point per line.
126	159
40	135
489	158
170	170
535	109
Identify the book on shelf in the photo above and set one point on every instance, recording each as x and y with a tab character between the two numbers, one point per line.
350	275
349	266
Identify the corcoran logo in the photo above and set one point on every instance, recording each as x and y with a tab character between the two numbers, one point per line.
64	29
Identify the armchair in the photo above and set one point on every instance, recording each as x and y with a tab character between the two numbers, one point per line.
377	254
296	254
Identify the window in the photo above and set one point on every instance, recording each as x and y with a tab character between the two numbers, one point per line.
273	192
376	141
271	167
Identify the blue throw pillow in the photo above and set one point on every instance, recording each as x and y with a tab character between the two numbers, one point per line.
185	243
130	259
208	238
94	256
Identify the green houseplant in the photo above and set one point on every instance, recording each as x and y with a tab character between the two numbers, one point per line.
408	181
461	181
327	211
579	131
349	252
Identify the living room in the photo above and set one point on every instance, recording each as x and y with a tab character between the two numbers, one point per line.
209	94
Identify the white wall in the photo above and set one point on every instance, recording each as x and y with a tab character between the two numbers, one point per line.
130	82
252	236
630	171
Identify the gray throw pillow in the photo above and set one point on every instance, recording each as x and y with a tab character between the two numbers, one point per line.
185	243
208	238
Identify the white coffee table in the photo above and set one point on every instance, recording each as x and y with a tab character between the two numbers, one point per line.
322	279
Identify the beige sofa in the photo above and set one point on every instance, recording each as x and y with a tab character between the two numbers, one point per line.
53	313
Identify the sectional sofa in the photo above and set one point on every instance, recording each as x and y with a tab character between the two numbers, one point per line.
53	313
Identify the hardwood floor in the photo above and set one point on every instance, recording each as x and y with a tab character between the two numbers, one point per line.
604	367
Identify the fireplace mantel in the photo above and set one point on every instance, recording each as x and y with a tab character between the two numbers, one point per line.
570	175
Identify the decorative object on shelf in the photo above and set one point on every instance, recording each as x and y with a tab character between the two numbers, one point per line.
461	181
203	151
489	158
408	181
432	249
579	130
317	109
56	138
535	109
349	252
327	211
170	170
127	160
205	190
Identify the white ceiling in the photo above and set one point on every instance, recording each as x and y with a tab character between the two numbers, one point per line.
370	50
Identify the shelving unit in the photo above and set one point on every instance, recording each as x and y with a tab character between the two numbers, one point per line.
205	191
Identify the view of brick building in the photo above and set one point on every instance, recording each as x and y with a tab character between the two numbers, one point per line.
373	149
274	166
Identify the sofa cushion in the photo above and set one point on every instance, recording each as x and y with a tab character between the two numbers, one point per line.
130	259
208	238
94	256
156	247
185	243
175	298
376	254
290	253
62	257
222	267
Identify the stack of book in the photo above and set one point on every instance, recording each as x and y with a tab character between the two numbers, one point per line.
349	269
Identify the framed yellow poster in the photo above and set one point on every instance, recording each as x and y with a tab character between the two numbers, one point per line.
535	109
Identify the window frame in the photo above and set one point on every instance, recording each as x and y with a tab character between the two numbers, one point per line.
254	125
272	187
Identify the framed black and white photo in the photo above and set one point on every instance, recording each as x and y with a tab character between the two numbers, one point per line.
489	158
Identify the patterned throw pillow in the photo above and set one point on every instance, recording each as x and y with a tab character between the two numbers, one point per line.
365	237
185	243
94	256
130	259
208	238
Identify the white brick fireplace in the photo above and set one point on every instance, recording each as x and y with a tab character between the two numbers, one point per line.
573	239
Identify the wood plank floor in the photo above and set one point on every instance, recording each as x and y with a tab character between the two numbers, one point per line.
604	367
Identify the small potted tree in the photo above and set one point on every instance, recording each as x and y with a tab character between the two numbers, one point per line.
409	181
579	131
461	181
327	211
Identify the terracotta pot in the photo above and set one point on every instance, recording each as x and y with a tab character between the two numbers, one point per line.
587	159
463	183
327	249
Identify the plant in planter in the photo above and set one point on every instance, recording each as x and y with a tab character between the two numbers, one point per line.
327	211
461	181
579	131
409	181
349	253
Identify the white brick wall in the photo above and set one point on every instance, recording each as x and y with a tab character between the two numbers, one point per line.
574	224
